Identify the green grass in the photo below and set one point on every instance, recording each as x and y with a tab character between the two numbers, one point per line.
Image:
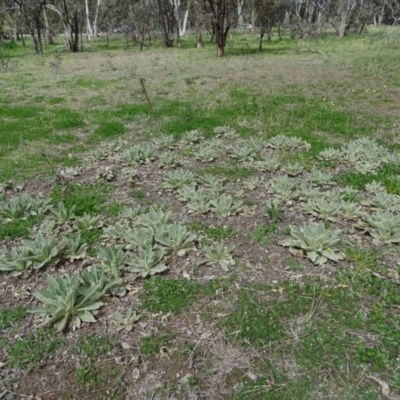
94	346
151	345
315	324
8	318
168	295
261	233
213	232
34	349
387	175
84	198
108	130
18	227
25	124
313	338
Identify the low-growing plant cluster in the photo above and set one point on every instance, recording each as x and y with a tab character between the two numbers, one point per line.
134	250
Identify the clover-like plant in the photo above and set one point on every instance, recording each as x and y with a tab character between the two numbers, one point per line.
112	260
168	160
293	169
219	254
62	214
191	137
147	262
330	154
226	205
316	241
178	179
154	217
87	222
205	154
66	300
42	251
126	321
384	227
176	237
322	208
73	249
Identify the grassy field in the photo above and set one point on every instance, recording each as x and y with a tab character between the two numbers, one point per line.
231	225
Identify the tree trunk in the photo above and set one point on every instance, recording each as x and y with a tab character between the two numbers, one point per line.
261	40
240	23
342	25
89	31
96	15
221	41
48	37
185	20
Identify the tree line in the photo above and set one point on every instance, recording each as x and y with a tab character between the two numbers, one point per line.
142	20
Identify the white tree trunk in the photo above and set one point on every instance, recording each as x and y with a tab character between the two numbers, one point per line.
240	13
88	25
185	21
95	30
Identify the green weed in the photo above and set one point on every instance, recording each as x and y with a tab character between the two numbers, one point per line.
85	199
30	352
150	345
168	295
9	317
18	227
109	130
261	233
94	346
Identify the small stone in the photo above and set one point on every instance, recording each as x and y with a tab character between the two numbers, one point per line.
185	380
135	373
